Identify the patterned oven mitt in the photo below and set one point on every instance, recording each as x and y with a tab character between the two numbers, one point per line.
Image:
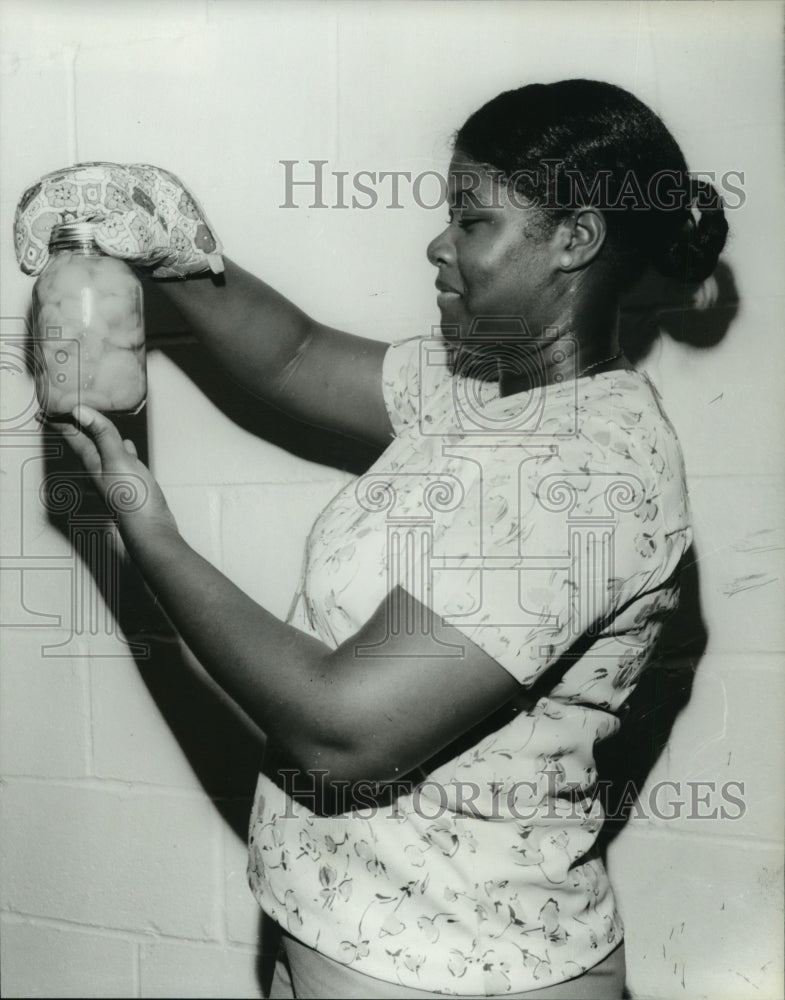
144	215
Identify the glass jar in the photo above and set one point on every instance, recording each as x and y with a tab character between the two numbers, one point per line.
88	328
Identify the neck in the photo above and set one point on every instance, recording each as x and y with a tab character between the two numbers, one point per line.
574	349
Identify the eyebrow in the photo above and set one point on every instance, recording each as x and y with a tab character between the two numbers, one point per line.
461	200
460	194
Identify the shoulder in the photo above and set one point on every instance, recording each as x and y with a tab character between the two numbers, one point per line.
404	379
621	422
606	449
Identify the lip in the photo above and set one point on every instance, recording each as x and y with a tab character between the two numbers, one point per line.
446	294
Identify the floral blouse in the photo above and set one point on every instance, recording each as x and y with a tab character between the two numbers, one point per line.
540	524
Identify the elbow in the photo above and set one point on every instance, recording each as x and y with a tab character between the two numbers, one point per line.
346	772
343	765
344	739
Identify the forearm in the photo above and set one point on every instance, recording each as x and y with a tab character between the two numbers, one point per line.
314	373
254	332
277	674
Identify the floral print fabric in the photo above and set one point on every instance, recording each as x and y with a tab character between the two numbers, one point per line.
531	523
142	213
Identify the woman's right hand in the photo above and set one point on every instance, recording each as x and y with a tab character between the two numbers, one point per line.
143	214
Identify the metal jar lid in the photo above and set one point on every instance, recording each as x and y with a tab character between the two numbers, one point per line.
71	235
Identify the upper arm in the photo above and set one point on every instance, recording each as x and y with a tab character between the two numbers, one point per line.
404	687
334	380
276	351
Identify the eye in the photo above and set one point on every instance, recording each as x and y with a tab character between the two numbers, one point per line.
465	222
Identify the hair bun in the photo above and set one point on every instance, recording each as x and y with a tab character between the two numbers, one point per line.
693	255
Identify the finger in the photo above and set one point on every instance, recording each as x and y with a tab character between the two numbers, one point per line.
103	433
74	437
81	445
56	425
130	447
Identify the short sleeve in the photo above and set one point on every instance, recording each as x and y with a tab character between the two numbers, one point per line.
413	371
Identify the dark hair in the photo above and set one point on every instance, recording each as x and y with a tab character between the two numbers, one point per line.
581	143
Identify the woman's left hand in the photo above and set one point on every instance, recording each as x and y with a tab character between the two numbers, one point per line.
126	485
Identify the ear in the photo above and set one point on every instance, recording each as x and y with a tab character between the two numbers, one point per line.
579	239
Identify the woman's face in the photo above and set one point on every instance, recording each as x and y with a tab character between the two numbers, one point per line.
496	273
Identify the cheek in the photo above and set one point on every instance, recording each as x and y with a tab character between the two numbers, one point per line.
494	285
479	273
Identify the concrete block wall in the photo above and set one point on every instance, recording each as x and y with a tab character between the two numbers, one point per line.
125	781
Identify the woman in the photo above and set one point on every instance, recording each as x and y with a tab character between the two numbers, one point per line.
476	609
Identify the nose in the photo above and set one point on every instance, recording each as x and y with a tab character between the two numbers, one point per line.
440	249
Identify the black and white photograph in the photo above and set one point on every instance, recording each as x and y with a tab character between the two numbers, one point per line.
392	549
